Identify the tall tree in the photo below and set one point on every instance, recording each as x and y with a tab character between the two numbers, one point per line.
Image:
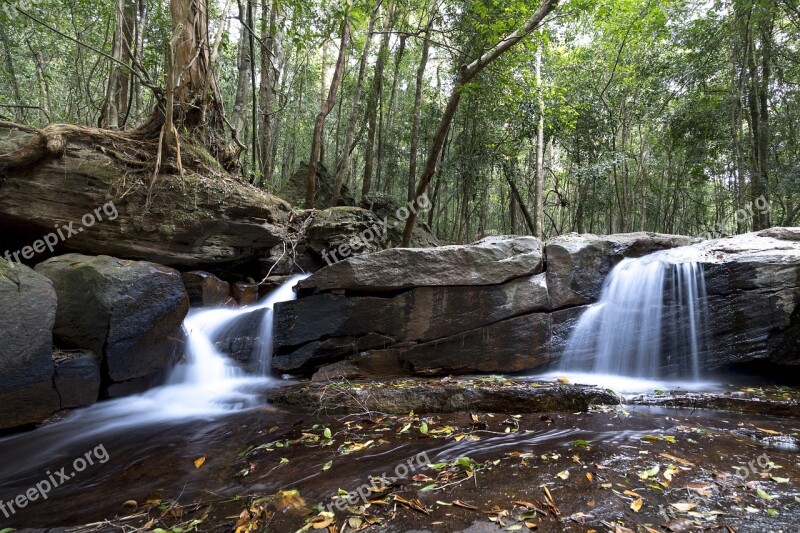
326	107
466	74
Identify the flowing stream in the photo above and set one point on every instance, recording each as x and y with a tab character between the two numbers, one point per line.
207	384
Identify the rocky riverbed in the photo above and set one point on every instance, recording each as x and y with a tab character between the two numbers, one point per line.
611	468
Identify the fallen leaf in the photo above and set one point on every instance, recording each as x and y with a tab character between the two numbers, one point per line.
684	506
636	505
564	474
199	462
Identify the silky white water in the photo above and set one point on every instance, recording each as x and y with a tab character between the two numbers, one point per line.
649	322
205	384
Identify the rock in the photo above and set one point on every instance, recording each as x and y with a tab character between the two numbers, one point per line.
77	378
577	265
294	190
753	286
445	396
337	371
491	261
198	221
205	290
244	293
27	314
353	324
341	232
388	209
129	312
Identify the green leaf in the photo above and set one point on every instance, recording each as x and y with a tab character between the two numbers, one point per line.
327	465
327	433
423	428
583	444
763	495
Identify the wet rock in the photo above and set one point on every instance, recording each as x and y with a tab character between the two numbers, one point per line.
205	290
77	378
446	396
577	265
129	312
325	327
27	314
491	261
753	286
244	293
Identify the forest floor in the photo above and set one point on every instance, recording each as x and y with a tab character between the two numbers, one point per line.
615	468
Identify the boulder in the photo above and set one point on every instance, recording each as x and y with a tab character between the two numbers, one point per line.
195	221
388	209
491	261
129	312
27	314
340	232
294	190
205	290
577	264
77	378
753	286
244	293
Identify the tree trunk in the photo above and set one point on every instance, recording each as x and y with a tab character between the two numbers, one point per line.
271	68
374	102
412	163
466	74
538	220
343	167
239	112
325	109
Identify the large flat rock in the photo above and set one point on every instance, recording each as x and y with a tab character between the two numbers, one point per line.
197	221
491	261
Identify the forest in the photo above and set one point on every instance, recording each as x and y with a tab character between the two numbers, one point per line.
599	117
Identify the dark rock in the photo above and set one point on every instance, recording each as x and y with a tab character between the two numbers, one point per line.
196	221
244	293
205	290
27	313
130	312
491	261
425	396
352	324
77	378
753	285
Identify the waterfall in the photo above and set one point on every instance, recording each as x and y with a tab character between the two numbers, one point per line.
206	384
649	322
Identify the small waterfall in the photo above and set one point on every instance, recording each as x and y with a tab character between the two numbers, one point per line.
649	322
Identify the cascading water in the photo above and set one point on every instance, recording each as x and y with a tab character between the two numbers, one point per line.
649	323
206	384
